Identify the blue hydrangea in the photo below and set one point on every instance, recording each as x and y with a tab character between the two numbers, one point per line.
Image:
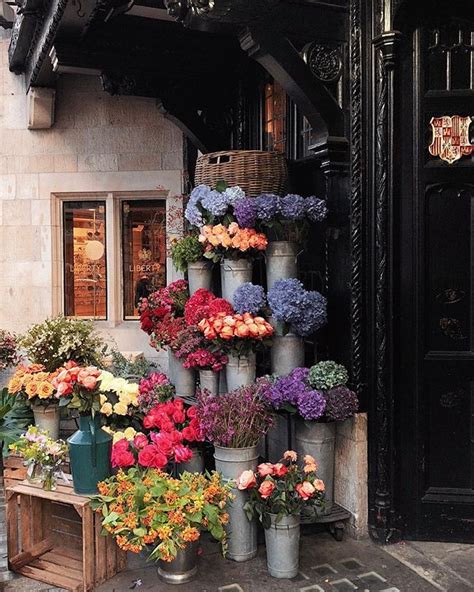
313	317
316	208
249	298
193	214
292	207
287	299
234	194
215	203
245	212
199	193
311	405
266	206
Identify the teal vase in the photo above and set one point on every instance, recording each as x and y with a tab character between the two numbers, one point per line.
89	452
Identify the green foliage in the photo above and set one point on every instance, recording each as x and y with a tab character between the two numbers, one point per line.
124	368
58	340
186	250
15	416
327	375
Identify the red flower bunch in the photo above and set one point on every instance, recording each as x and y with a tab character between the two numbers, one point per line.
178	426
203	304
161	303
141	450
167	332
206	360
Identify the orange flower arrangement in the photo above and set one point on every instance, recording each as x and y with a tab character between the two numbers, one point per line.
33	383
224	238
245	329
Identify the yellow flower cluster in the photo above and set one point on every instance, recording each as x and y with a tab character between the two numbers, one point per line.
32	381
129	434
125	393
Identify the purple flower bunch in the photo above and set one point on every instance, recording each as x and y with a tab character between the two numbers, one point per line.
272	208
292	393
154	389
341	403
304	311
189	341
245	212
249	298
237	419
205	203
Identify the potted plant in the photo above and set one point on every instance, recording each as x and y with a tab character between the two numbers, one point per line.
296	313
15	416
318	398
235	423
150	511
187	254
278	493
89	446
239	336
42	455
35	386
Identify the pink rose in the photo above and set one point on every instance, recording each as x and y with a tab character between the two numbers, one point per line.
122	445
182	453
266	489
122	456
280	470
140	441
305	490
246	480
89	382
64	388
265	469
151	456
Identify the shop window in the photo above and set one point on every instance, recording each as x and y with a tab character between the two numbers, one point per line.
85	266
275	112
143	251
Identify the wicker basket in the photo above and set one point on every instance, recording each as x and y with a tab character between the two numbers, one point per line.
255	171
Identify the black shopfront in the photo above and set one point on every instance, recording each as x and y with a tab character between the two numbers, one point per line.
353	91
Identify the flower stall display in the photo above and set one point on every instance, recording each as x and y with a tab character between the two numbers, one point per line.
155	388
42	455
34	385
187	254
235	423
239	336
90	446
153	512
296	313
316	411
278	494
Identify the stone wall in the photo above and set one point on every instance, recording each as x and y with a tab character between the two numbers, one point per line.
98	143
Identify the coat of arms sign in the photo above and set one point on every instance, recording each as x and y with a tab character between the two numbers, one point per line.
451	137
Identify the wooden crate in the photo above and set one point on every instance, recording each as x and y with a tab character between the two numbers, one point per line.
55	537
14	470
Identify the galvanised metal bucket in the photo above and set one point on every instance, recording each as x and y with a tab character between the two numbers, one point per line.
183	378
184	566
199	276
47	418
194	465
281	261
240	371
241	532
234	273
319	440
282	540
209	380
287	353
281	436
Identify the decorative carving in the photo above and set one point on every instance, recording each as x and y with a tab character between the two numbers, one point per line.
179	9
324	61
452	398
236	12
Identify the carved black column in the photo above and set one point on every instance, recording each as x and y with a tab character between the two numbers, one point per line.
381	421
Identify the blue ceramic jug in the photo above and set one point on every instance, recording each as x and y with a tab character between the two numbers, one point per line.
89	451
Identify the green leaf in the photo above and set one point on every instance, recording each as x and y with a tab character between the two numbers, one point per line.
110	518
221	186
139	532
266	522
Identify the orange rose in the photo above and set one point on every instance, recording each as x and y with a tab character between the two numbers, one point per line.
31	389
242	330
319	485
226	333
305	490
15	385
253	329
266	489
45	390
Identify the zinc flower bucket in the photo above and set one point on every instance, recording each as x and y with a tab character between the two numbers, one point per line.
287	353
282	540
281	261
242	533
183	568
194	465
199	276
209	380
183	378
47	418
234	272
240	371
318	439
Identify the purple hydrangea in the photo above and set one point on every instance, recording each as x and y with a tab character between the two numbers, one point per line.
287	299
314	317
316	209
292	207
215	203
311	405
249	298
245	212
301	374
341	403
266	206
284	393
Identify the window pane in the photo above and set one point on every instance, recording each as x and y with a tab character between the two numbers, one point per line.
144	251
275	117
85	268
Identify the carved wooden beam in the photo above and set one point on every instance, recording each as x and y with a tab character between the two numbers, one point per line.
276	54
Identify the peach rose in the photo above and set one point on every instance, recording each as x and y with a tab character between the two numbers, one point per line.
226	333
246	480
319	485
310	468
253	328
229	321
242	330
280	470
290	455
309	460
305	490
89	382
265	469
266	489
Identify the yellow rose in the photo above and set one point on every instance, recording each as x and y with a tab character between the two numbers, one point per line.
15	385
125	398
120	408
31	389
103	399
129	433
45	390
106	409
118	436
